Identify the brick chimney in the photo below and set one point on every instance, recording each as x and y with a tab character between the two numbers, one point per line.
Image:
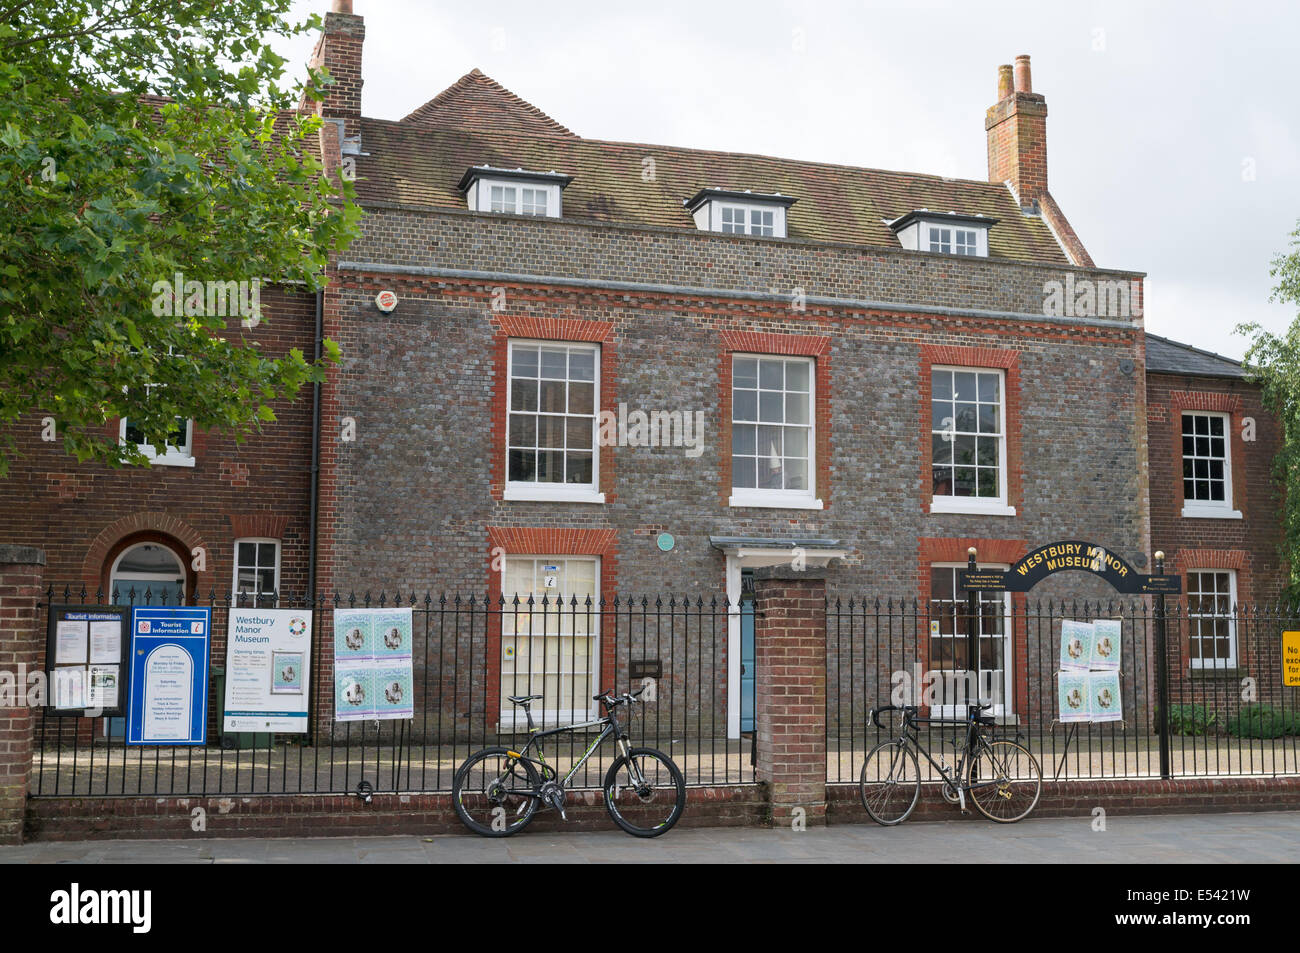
339	51
1017	131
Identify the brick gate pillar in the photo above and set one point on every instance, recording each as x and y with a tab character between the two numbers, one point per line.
790	691
22	578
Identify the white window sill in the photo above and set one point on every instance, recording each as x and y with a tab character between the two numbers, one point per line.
772	499
557	494
1210	513
171	461
968	506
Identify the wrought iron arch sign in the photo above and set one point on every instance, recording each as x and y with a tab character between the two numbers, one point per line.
1070	556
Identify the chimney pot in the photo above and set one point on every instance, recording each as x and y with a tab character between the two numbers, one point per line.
342	6
1004	81
1024	84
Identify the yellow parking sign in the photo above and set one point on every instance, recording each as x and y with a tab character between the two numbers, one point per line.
1291	658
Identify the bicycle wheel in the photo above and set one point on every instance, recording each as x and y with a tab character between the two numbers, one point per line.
494	794
1005	781
891	782
645	792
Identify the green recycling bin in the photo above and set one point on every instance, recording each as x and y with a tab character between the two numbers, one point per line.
233	740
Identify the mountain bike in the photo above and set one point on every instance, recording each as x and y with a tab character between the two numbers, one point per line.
1001	777
497	791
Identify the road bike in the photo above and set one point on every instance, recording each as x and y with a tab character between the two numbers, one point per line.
498	790
1001	777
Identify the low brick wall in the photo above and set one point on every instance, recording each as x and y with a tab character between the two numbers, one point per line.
293	815
731	806
1078	798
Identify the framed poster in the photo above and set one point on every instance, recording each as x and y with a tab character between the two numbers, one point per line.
268	652
168	699
87	657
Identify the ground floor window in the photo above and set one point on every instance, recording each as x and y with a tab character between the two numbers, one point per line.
257	571
949	655
551	645
1212	627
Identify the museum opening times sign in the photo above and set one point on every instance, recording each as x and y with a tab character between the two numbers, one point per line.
1070	555
268	659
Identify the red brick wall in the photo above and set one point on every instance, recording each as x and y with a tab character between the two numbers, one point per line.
21	586
1254	539
82	515
790	695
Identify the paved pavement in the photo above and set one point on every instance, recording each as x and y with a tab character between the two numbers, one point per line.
1198	839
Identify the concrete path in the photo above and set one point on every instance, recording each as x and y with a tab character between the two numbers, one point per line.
1199	839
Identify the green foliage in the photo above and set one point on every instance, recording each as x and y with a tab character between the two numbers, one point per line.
1274	361
1263	721
141	139
1192	720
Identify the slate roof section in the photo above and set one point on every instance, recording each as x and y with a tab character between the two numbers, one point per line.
479	100
1171	357
420	160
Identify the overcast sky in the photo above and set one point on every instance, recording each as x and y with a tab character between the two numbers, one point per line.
1173	129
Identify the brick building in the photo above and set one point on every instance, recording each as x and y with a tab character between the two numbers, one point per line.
1214	512
878	378
614	369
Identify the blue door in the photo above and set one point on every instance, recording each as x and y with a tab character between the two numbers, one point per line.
747	653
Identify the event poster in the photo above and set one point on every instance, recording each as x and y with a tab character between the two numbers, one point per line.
1076	645
1105	645
373	671
1073	695
268	654
1104	699
169	675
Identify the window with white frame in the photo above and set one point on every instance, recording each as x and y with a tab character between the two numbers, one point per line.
747	220
773	452
968	451
552	427
550	646
257	571
953	241
950	627
1212	624
179	449
514	195
1207	467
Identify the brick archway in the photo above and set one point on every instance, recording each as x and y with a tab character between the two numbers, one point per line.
141	528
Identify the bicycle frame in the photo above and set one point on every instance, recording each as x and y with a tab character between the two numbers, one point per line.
611	727
957	780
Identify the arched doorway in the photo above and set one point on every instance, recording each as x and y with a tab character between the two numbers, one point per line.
143	572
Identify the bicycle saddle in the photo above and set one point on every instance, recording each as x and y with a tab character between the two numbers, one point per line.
522	699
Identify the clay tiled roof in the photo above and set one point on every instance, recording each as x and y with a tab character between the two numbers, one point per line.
420	160
481	101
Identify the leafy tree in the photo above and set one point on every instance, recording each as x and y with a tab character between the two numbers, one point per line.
141	140
1274	361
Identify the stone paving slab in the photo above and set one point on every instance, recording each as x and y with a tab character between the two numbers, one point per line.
1200	839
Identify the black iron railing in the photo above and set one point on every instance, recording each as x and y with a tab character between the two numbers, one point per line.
1229	711
469	655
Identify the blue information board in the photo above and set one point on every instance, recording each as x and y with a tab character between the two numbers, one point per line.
169	676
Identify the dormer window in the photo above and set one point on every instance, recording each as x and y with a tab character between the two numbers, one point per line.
944	233
513	191
740	213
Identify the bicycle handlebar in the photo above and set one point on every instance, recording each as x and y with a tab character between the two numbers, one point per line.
609	699
972	712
